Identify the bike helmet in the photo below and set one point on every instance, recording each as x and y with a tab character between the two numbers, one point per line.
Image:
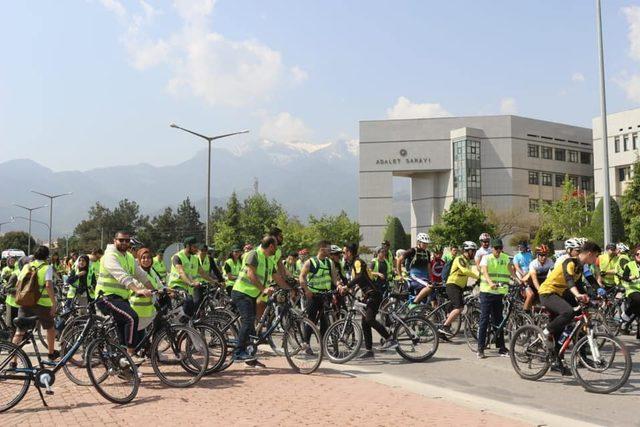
542	250
135	243
572	244
469	246
484	237
400	252
621	247
335	249
303	252
423	238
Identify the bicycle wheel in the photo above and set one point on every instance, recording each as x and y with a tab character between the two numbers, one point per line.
14	381
528	352
417	339
216	346
304	356
179	356
602	364
471	322
76	368
516	320
112	372
225	325
343	340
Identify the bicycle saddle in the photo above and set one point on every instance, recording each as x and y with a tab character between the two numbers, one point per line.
25	323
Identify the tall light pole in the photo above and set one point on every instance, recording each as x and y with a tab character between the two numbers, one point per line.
209	139
30	211
51	197
606	208
33	220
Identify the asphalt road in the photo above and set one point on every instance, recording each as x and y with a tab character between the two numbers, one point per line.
455	373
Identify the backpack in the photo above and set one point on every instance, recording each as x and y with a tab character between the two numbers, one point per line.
446	270
28	289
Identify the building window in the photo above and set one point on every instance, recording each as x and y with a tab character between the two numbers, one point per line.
585	158
621	175
585	183
559	180
547	153
625	143
546	179
534	205
574	181
561	154
534	150
616	144
624	174
635	141
573	156
534	178
466	180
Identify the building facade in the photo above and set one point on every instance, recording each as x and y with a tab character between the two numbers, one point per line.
504	163
623	148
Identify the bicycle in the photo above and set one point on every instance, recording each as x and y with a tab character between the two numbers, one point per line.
592	354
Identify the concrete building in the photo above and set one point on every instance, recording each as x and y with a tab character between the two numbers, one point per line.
623	145
501	162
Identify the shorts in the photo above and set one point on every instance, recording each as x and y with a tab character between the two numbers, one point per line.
417	282
454	292
43	313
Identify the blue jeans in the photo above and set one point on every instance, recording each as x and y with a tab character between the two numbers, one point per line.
247	308
490	309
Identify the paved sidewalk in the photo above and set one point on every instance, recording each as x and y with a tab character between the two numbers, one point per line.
249	397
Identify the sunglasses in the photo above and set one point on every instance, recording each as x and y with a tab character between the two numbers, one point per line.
124	240
542	255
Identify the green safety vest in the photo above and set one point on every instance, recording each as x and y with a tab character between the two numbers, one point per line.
273	261
235	270
292	269
190	264
160	268
620	265
205	265
44	300
498	270
376	267
607	263
11	293
633	285
319	277
73	287
243	284
144	305
108	285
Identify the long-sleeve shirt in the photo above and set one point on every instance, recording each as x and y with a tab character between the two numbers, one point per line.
360	277
460	272
110	262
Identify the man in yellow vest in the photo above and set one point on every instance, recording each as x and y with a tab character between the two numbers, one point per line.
119	277
10	275
607	264
46	306
631	281
158	265
381	269
251	283
497	270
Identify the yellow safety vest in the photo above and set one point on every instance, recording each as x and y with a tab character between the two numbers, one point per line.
235	270
108	285
144	305
498	270
190	264
633	285
244	285
41	269
319	277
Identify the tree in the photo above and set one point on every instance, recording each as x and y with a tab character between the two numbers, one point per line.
568	216
461	222
596	227
338	229
257	216
187	221
395	234
17	240
296	234
544	236
510	222
630	205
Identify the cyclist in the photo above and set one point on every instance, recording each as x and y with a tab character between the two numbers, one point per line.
418	261
453	252
12	306
159	266
538	270
232	267
607	267
303	256
497	270
631	282
572	249
120	276
335	253
79	281
559	292
8	269
381	269
623	259
208	264
459	276
522	260
251	282
361	277
277	273
142	305
437	264
45	308
484	249
291	264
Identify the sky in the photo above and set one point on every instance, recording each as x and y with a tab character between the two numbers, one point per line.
95	83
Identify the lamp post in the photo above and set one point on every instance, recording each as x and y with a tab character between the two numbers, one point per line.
51	197
29	219
209	139
33	220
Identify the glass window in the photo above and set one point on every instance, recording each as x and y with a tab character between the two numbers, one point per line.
534	204
533	178
467	176
621	174
585	158
547	153
561	154
559	180
546	179
573	156
585	183
625	143
534	150
616	144
635	141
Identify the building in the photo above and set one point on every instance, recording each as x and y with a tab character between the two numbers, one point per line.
502	162
623	146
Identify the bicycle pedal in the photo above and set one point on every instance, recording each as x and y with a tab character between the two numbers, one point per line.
49	392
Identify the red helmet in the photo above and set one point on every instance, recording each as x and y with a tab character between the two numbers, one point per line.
304	251
542	250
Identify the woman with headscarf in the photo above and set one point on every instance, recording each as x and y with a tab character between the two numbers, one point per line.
79	281
144	306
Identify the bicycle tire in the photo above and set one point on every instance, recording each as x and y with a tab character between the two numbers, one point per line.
427	329
177	336
7	348
471	320
535	350
76	363
116	362
294	345
229	330
216	345
345	331
577	357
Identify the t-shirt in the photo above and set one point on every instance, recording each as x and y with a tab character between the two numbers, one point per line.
251	259
417	258
562	277
481	252
436	269
523	259
542	270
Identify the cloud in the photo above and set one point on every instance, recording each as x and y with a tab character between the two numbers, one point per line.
284	128
203	63
577	77
405	109
630	83
508	106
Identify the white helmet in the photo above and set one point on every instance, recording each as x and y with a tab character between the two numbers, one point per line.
621	247
400	252
423	238
469	245
335	249
572	244
484	236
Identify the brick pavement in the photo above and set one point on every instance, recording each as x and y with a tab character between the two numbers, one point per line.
241	396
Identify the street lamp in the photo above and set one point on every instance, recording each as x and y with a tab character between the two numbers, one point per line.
209	139
51	197
33	220
30	211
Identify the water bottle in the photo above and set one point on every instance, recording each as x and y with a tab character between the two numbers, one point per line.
565	334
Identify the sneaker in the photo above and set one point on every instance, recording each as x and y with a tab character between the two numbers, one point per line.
54	355
389	344
480	355
366	355
445	330
137	360
243	356
255	364
309	352
503	352
559	367
412	306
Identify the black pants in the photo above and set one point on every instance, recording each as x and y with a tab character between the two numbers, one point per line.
315	310
562	307
247	308
634	304
126	319
490	310
369	321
